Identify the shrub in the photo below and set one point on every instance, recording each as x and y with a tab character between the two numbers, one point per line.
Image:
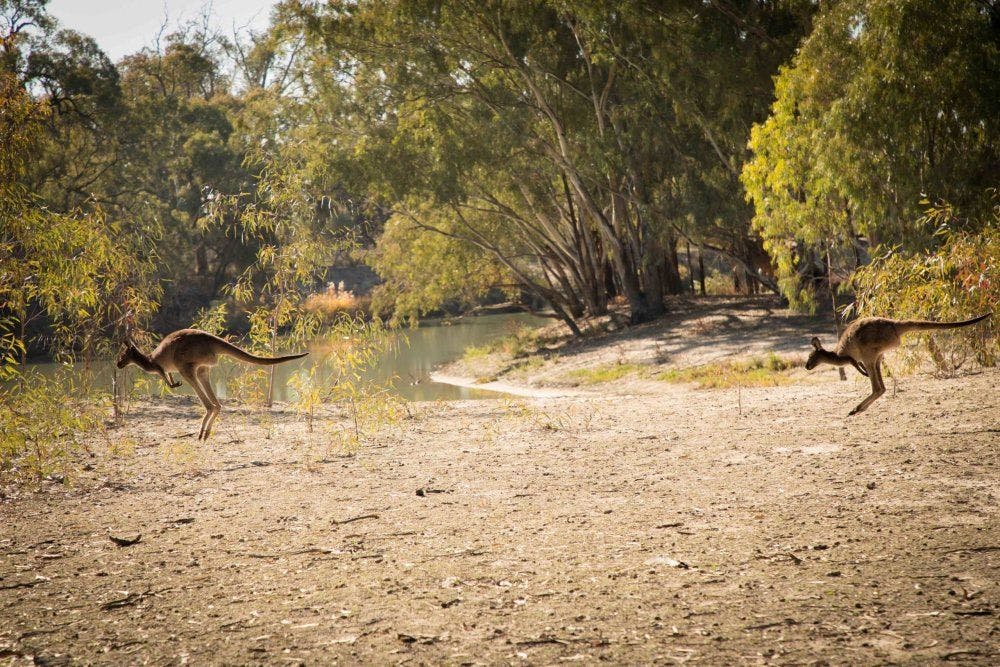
340	375
522	341
955	281
605	373
333	301
766	371
42	424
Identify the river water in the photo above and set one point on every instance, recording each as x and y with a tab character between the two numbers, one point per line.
408	365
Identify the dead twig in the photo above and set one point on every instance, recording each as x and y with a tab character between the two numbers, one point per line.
353	518
424	490
960	652
540	641
127	601
773	624
125	541
22	584
790	556
455	554
982	549
282	554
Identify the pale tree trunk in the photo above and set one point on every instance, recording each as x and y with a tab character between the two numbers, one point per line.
833	302
269	399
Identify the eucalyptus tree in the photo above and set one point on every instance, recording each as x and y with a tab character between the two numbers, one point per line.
570	144
138	144
77	270
887	107
184	136
81	146
72	276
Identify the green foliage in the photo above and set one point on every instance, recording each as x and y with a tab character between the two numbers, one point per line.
340	377
769	371
212	319
562	148
292	253
42	425
957	280
520	342
885	104
79	271
424	272
607	373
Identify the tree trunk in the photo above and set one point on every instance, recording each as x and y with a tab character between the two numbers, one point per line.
672	274
201	260
653	273
690	270
833	302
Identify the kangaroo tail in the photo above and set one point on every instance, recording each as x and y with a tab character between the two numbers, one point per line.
225	347
905	326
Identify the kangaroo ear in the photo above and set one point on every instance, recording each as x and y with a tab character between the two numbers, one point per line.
815	343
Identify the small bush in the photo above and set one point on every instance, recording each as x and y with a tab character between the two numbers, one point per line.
338	376
606	373
529	364
955	281
334	301
766	371
719	284
521	342
42	425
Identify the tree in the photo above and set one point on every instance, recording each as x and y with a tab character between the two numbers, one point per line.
570	143
888	105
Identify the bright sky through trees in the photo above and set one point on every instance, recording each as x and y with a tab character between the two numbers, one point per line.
121	28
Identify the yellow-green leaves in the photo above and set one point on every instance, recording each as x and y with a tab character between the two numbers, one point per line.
886	104
957	280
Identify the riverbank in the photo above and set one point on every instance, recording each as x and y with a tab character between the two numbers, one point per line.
638	521
697	333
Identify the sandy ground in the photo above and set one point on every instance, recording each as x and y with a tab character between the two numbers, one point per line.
636	522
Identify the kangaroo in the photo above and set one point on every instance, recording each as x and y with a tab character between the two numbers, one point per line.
866	340
192	353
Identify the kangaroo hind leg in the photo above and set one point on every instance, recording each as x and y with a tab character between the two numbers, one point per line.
204	378
878	386
189	373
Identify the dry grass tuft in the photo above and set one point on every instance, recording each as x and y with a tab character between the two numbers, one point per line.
334	301
769	371
607	373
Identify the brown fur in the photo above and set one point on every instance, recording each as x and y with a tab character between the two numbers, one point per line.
192	353
865	341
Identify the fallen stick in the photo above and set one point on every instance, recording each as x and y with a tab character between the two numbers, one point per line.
128	600
773	624
23	584
125	541
354	518
541	640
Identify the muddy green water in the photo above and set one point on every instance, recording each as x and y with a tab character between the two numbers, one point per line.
420	351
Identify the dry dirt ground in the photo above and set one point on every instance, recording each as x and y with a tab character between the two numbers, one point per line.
639	522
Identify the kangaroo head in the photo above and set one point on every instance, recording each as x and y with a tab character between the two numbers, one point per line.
127	355
816	356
